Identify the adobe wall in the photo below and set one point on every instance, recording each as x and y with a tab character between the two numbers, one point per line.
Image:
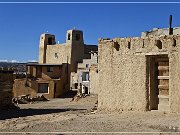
20	88
124	73
57	71
62	51
94	79
160	31
6	85
88	49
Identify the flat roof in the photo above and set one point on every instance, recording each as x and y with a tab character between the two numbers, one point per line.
43	64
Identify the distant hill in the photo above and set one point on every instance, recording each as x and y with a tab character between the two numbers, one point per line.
18	67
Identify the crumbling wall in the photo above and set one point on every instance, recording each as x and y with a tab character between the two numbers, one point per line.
6	85
24	87
160	31
124	75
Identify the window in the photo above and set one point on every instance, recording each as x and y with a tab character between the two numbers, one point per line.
49	69
159	44
116	46
174	42
43	88
87	65
50	41
56	55
77	37
129	45
85	76
69	36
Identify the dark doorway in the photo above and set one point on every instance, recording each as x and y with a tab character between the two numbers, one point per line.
159	82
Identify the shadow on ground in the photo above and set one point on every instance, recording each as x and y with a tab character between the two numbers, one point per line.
69	94
30	112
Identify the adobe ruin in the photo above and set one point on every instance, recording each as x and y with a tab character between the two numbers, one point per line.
139	74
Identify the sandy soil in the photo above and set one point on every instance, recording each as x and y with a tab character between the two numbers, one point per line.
61	116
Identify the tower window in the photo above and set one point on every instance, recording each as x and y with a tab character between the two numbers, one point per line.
69	36
50	41
77	37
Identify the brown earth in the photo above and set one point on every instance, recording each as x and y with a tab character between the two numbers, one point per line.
63	116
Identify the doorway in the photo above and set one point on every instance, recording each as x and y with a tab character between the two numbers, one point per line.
159	82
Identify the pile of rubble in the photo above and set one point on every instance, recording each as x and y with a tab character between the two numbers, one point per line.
26	99
78	96
94	109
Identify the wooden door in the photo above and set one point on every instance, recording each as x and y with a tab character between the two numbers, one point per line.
162	64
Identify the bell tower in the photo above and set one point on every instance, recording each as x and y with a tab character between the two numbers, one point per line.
45	39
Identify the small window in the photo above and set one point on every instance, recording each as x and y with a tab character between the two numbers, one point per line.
116	46
143	44
77	37
174	42
56	55
49	69
69	36
43	88
159	44
129	45
87	65
85	76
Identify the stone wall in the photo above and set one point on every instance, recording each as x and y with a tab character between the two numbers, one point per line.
6	85
124	72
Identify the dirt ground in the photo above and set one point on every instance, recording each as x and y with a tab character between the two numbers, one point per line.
63	116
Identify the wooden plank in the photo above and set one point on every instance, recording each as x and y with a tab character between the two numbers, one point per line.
163	67
164	87
163	72
163	63
163	77
162	59
163	82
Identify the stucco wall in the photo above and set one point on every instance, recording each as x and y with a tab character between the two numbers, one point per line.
94	79
123	72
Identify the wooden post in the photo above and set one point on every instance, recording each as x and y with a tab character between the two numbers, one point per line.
170	25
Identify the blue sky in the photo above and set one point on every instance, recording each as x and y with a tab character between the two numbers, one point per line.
22	24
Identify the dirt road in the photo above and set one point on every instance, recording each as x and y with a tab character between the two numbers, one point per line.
61	116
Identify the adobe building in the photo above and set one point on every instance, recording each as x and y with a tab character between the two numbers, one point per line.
51	76
49	80
6	86
140	73
83	76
